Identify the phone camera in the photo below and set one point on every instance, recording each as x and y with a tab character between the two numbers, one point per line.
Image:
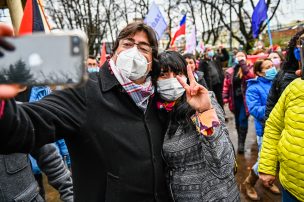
75	45
76	50
75	40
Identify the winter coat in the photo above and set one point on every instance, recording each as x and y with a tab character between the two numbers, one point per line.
115	148
228	92
199	166
213	72
280	82
283	140
256	99
203	67
199	76
17	180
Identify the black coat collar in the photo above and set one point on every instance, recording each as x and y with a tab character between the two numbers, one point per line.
108	79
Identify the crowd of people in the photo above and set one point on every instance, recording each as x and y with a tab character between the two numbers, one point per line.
151	126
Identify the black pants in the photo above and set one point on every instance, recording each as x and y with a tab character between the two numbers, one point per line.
218	89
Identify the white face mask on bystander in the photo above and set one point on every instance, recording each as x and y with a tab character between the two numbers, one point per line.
132	64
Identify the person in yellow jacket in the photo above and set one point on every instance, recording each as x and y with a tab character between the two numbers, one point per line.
284	142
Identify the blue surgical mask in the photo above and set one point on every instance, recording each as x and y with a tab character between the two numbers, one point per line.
236	61
211	53
93	69
270	73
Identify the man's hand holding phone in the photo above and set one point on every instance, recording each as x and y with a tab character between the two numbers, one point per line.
7	91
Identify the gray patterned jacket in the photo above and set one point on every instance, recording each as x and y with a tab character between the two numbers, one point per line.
201	168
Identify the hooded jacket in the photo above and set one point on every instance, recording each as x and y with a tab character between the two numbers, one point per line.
284	140
256	99
280	82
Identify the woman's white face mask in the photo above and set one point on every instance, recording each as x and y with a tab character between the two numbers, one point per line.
170	89
132	64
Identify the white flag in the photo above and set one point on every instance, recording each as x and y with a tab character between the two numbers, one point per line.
191	42
200	47
156	20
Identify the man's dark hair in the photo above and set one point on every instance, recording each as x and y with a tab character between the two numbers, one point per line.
134	27
189	56
92	57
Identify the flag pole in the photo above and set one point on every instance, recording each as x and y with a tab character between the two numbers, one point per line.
269	33
43	13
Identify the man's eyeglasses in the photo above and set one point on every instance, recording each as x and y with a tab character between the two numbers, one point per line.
142	46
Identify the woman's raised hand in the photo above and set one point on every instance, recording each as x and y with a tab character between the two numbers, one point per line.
197	95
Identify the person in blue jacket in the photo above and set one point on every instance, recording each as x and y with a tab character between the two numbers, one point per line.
256	99
63	150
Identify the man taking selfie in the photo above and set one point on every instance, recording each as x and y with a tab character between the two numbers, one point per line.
110	124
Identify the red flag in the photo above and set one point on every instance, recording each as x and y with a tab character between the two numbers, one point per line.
102	54
26	25
251	59
181	30
33	18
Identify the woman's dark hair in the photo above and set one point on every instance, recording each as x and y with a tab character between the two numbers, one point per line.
242	52
134	27
171	61
257	66
291	62
280	55
189	56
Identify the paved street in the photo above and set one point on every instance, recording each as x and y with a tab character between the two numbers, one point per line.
245	163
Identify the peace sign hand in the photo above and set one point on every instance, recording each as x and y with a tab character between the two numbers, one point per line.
197	96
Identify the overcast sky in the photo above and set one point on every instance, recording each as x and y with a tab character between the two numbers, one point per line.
289	11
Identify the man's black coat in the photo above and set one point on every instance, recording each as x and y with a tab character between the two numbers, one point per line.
114	146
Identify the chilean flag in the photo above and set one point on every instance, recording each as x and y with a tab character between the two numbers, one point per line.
181	30
34	19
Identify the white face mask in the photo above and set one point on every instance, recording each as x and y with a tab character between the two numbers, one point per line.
132	64
170	89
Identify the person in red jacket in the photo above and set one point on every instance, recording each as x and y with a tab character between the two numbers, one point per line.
234	93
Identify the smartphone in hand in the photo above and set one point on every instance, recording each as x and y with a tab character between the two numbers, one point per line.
45	59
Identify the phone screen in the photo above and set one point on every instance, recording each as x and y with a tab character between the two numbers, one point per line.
43	59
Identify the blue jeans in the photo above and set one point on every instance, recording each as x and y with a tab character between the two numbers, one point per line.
288	197
255	166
